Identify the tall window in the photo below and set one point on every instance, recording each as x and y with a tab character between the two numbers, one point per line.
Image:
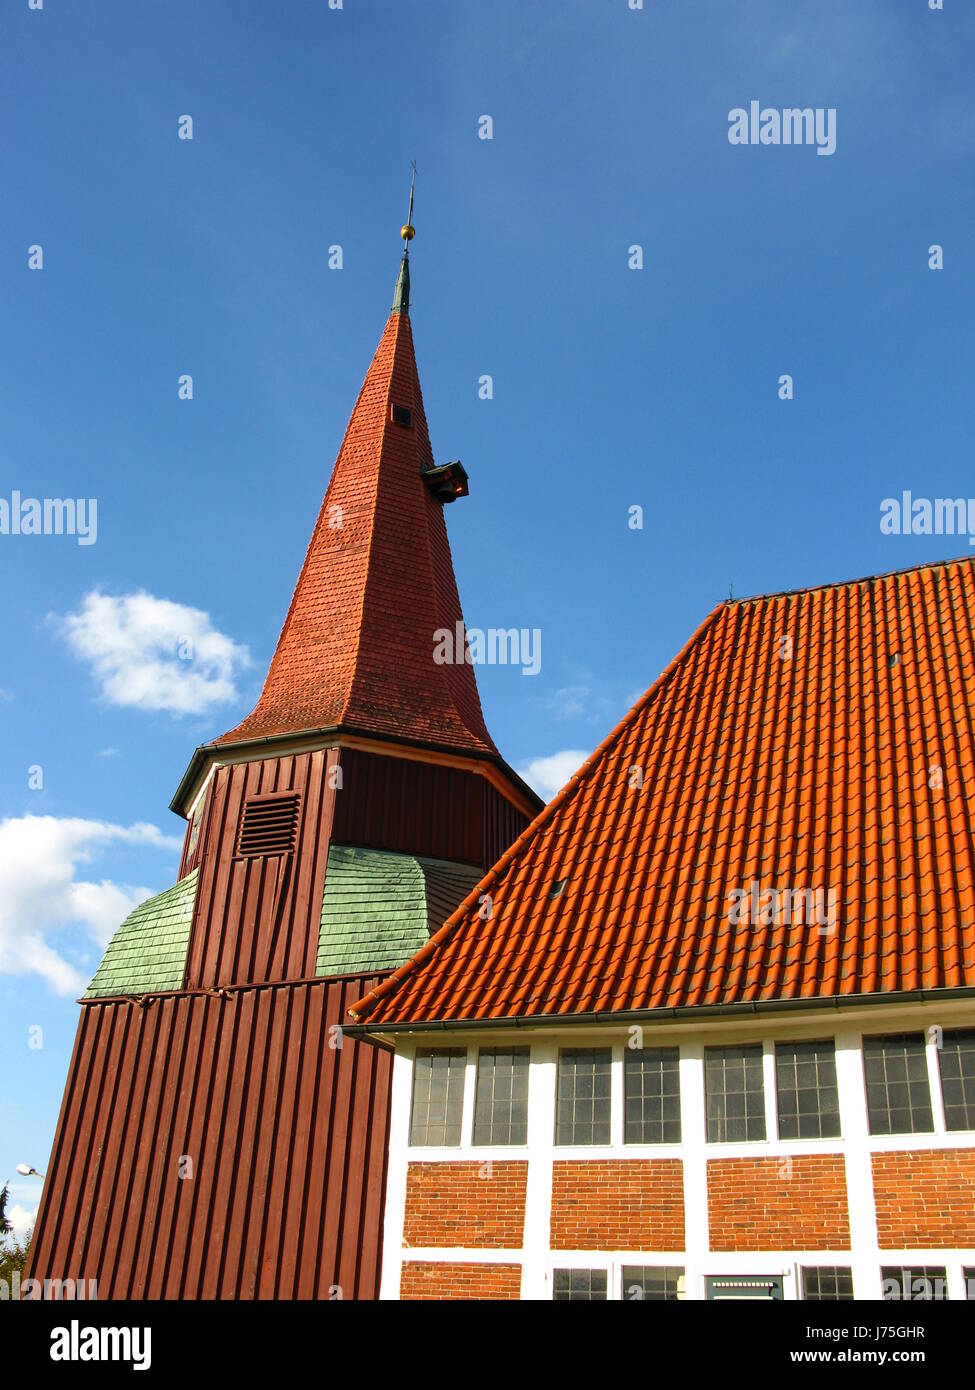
826	1282
501	1099
805	1083
654	1282
651	1095
956	1059
582	1108
438	1096
898	1094
735	1094
580	1285
914	1283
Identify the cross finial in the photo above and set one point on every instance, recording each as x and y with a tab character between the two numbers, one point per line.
401	299
407	232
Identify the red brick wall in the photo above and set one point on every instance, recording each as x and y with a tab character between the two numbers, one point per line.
479	1205
612	1204
427	1279
925	1198
795	1203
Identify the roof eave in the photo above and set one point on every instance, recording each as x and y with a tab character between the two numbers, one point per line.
207	751
825	1003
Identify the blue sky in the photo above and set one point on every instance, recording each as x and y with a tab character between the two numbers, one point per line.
613	387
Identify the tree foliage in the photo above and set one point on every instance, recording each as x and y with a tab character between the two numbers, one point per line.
13	1251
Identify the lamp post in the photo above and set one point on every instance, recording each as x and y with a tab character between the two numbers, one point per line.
26	1171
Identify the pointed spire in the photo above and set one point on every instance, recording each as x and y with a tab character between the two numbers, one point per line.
401	297
377	589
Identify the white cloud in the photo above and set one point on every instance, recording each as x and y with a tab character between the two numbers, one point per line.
569	702
549	775
108	752
152	654
21	1219
578	702
40	893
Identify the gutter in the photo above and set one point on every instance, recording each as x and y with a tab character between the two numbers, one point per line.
836	1002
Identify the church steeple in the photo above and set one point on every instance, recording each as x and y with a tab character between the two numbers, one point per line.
357	648
327	836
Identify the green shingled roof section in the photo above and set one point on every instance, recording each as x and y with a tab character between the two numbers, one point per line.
148	951
378	908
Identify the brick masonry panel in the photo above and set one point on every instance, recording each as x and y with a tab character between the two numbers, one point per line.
925	1198
783	1203
429	1279
473	1204
611	1204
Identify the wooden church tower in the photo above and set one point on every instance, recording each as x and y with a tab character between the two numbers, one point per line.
219	1136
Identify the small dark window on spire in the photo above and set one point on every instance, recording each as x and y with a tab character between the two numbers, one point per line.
401	415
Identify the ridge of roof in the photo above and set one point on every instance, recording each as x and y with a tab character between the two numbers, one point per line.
853	583
401	316
791	701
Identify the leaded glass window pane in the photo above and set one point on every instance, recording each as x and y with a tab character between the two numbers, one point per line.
501	1098
898	1094
956	1058
580	1285
735	1093
806	1091
438	1096
654	1282
651	1095
582	1110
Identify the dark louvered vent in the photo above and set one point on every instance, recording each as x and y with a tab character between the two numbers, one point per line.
268	825
401	415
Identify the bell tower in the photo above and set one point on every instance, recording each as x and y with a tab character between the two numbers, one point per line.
219	1136
360	738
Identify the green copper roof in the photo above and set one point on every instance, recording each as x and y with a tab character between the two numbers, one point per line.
148	951
401	297
378	908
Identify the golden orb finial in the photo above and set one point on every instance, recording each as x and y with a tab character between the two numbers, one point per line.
408	231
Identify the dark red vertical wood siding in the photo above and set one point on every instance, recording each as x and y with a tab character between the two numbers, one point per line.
287	1136
189	858
422	808
502	825
257	920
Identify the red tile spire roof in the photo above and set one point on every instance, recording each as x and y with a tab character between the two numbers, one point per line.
821	740
356	649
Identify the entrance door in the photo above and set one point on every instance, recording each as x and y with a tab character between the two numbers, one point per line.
745	1286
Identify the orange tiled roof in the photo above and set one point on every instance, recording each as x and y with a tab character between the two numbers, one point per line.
794	743
356	648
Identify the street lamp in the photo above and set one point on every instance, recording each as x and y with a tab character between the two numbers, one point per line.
26	1171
